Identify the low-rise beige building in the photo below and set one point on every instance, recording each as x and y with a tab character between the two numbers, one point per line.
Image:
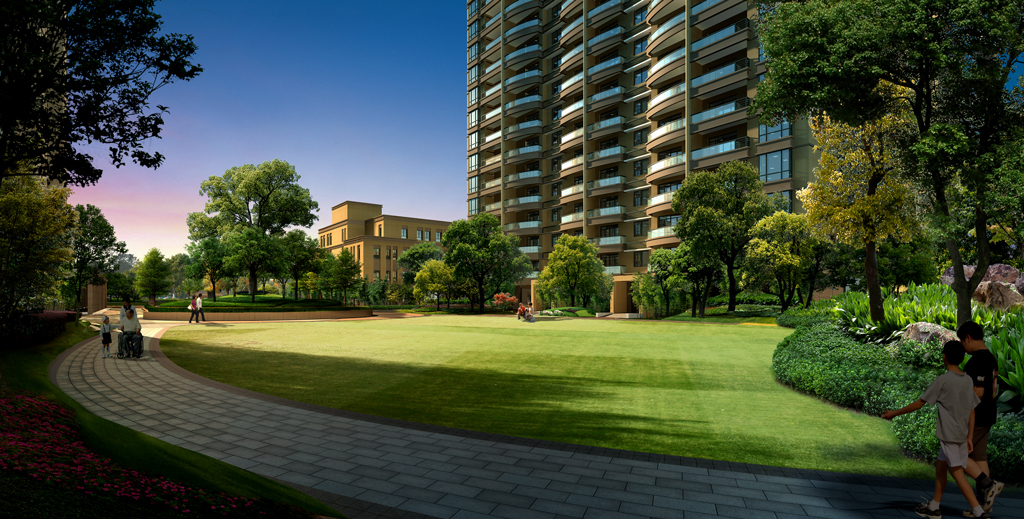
377	239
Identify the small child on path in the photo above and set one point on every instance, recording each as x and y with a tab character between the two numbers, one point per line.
105	336
953	391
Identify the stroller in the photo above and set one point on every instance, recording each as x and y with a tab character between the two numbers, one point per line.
129	345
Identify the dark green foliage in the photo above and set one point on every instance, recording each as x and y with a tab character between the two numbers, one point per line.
819	312
745	298
1006	446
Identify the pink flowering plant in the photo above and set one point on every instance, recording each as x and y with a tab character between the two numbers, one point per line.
40	439
505	302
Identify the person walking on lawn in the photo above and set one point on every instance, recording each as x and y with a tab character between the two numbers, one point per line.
199	307
983	370
192	308
953	393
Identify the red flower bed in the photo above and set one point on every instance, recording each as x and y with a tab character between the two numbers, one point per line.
40	439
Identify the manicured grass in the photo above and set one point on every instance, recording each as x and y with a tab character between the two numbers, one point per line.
704	391
27	370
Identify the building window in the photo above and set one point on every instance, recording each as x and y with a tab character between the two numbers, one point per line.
640	167
419	234
556	189
640	228
640	258
380	229
387	276
405	231
329	240
668	221
472	118
640	76
472	207
437	236
639	46
473	185
322	241
767	133
556	214
640	198
609	201
640	105
787	198
472	162
640	15
376	275
387	252
669	188
359	252
774	166
640	136
609	260
472	141
376	252
426	234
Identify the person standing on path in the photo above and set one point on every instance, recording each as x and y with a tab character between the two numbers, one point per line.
105	337
192	308
125	308
199	307
983	369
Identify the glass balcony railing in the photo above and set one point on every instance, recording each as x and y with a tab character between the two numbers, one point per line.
720	110
606	123
525	175
676	20
594	155
534	199
571	190
608	240
572	53
522	101
606	94
532	224
573	25
572	108
521	151
605	182
606	211
604	65
666	163
524	50
523	126
702	6
517	4
530	249
653	3
572	80
492	20
524	75
492	113
606	35
719	148
523	26
720	35
492	160
604	7
571	135
674	91
664	198
670	127
494	183
492	207
492	90
615	269
660	232
574	217
668	58
533	275
493	66
491	45
493	136
719	72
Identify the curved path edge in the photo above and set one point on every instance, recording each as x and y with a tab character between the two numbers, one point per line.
436	471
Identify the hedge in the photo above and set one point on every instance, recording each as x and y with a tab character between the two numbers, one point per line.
30	329
745	298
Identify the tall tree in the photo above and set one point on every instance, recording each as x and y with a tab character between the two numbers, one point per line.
780	254
345	273
662	267
208	257
433	279
36	224
856	196
717	209
95	250
700	271
953	59
412	260
250	251
1006	197
482	253
153	275
299	253
573	270
179	273
78	72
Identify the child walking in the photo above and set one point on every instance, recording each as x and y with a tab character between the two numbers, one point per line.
953	392
105	337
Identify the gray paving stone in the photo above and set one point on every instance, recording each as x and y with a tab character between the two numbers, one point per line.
774	506
336	476
506	498
455	488
624	496
686	506
541	493
420	494
488	484
382	498
512	512
413	481
597	513
654	490
524	480
572	488
376	484
798	499
339	488
554	507
300	479
651	511
431	509
466	503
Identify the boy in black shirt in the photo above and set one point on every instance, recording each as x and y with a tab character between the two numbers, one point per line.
983	370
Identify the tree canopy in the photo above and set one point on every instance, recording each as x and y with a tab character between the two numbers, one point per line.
95	250
412	260
249	250
573	271
207	259
153	275
73	73
780	254
481	252
299	253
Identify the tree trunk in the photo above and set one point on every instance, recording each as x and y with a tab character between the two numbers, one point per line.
664	293
480	292
696	296
213	286
733	290
874	289
252	284
152	299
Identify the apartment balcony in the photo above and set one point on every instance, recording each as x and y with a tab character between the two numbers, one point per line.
491	188
491	72
606	186
490	52
660	10
603	12
662	237
671	100
608	156
720	117
672	168
606	39
494	209
532	251
609	244
738	149
571	194
667	135
571	113
606	215
720	44
524	154
606	68
571	8
492	142
523	203
669	35
522	179
571	139
520	58
668	68
521	9
492	94
572	221
710	13
615	270
571	86
490	165
532	275
571	59
606	127
721	80
522	33
487	5
523	105
572	166
572	33
609	97
521	228
660	205
523	81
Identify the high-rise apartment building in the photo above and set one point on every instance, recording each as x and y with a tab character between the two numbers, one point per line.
584	116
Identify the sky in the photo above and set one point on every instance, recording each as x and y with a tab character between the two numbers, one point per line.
365	99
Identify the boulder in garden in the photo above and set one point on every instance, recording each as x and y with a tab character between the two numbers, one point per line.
996	294
924	332
998	272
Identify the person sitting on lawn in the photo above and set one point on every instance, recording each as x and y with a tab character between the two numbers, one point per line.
521	312
530	318
953	391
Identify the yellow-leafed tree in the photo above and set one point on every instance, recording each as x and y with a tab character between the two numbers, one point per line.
857	196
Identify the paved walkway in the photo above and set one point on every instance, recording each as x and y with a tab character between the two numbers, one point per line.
369	467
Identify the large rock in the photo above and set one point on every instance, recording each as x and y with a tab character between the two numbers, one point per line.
997	272
1019	285
924	332
997	295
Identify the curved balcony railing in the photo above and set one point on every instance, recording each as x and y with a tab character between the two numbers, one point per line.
492	207
608	240
606	94
570	81
492	136
605	182
739	104
517	4
573	25
491	45
617	60
492	160
720	72
574	217
571	135
603	7
605	153
492	20
530	249
571	190
606	211
719	148
523	26
606	34
523	126
615	269
493	183
668	58
661	199
572	108
670	127
521	101
492	113
524	50
666	163
532	224
492	90
701	6
493	66
533	199
660	232
606	123
524	75
572	53
522	176
676	20
720	35
672	92
521	151
573	162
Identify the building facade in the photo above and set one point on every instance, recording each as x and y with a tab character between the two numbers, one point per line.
584	116
377	239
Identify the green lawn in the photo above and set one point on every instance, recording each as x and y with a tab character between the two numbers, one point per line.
693	390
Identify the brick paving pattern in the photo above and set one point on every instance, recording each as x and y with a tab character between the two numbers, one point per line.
368	467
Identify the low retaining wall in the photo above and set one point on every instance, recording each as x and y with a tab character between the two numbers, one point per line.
261	316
